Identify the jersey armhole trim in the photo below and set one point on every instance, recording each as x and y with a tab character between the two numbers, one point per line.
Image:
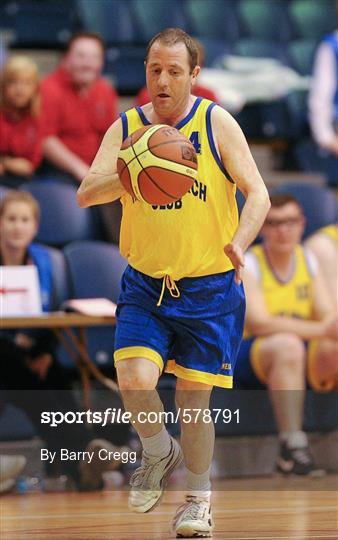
310	261
124	119
190	114
212	143
143	117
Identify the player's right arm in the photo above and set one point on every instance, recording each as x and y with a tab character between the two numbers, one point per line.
261	323
102	184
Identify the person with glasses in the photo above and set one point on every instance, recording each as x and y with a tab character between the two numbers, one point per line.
290	336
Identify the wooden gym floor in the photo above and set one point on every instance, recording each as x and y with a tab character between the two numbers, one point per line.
269	509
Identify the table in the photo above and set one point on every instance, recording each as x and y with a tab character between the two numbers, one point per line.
63	324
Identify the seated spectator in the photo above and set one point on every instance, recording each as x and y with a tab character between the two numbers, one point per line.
20	139
323	103
78	106
291	329
27	358
324	244
143	95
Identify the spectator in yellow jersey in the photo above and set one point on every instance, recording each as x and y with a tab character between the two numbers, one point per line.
290	329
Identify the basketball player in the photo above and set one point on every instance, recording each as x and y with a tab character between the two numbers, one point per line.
193	252
291	329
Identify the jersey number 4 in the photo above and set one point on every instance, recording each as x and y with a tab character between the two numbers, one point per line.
195	139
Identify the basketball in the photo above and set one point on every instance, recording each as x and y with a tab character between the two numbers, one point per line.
157	164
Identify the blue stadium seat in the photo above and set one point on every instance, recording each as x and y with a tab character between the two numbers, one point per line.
319	204
62	220
250	120
215	50
60	276
285	118
95	270
152	16
258	48
264	19
40	23
301	55
126	67
111	19
314	159
275	121
212	19
296	103
8	11
311	19
14	423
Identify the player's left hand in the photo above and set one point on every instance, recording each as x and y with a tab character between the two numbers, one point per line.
236	256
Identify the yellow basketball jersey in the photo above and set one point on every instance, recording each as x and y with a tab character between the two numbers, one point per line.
331	231
292	298
185	238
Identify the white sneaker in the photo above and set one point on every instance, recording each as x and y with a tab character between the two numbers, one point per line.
149	480
10	468
193	519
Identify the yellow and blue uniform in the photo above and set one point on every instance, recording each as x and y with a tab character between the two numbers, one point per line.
180	306
291	298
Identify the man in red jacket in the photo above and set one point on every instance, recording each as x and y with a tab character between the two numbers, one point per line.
78	106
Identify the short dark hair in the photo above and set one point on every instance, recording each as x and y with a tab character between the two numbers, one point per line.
85	35
281	199
171	36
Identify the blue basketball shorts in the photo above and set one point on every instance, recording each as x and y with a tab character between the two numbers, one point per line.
195	336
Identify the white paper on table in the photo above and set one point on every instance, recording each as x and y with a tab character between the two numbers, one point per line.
100	307
19	291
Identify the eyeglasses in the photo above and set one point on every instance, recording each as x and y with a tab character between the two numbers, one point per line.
288	222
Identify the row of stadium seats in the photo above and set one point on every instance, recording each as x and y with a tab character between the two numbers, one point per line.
88	269
62	221
124	63
41	22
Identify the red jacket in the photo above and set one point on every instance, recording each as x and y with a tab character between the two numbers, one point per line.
79	121
21	138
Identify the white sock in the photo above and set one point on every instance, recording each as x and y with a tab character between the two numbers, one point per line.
294	439
157	445
199	485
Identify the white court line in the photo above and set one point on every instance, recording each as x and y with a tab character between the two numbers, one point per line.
170	512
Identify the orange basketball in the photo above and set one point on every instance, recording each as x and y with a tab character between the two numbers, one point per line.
157	164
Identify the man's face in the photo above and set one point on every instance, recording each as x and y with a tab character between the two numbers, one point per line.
84	61
18	225
169	79
283	228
